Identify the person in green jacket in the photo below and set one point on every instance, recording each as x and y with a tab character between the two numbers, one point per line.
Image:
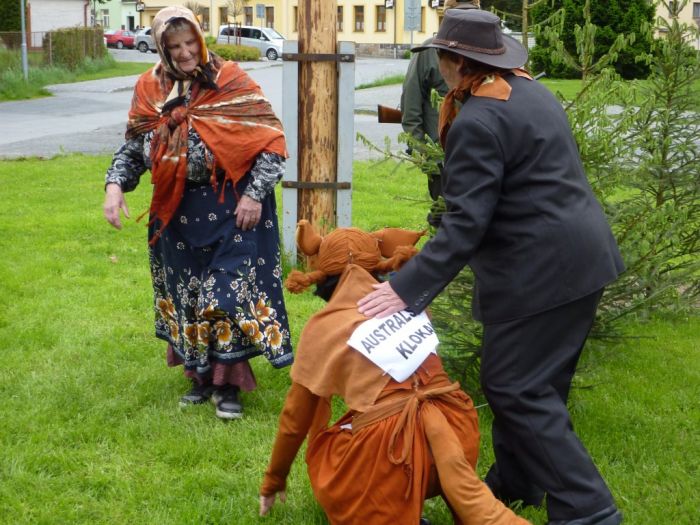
418	116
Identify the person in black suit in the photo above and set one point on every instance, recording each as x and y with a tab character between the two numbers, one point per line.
521	214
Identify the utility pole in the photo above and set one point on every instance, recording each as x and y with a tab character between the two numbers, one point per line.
23	47
318	110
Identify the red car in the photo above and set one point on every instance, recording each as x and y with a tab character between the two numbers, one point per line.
120	38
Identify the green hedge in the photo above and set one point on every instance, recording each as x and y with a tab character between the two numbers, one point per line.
236	53
70	47
10	15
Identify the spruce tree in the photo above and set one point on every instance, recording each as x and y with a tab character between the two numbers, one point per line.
612	18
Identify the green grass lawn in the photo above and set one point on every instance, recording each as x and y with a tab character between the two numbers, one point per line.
119	69
90	430
14	87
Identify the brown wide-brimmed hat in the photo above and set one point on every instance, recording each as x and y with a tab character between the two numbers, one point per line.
477	35
457	4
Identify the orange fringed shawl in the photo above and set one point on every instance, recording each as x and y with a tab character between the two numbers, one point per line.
479	84
236	122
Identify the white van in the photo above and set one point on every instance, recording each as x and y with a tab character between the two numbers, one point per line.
266	39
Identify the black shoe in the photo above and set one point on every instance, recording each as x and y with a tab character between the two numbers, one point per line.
608	516
424	521
197	395
228	403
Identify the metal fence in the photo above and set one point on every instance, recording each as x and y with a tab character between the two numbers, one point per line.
13	39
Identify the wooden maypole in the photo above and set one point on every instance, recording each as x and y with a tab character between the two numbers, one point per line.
318	109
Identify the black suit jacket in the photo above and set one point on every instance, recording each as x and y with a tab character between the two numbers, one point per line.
520	212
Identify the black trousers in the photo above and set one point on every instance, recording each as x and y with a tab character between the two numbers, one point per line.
526	371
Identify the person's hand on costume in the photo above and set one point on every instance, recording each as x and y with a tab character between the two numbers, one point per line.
247	212
266	502
114	201
382	302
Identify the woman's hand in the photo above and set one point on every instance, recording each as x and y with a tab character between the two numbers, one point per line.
266	502
247	212
114	201
382	302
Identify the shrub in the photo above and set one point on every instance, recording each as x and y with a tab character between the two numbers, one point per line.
612	19
12	59
10	15
70	47
540	60
236	53
210	40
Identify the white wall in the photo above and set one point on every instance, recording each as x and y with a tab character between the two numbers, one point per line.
54	14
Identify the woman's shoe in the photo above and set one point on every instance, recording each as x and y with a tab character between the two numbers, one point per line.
197	395
228	403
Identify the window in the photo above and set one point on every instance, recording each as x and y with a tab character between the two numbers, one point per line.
248	13
359	18
295	19
422	20
339	20
205	19
672	8
381	19
223	15
269	17
696	9
104	15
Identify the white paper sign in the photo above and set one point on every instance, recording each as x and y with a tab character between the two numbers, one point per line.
397	344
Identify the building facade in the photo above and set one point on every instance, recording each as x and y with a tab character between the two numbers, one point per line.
689	14
117	14
47	15
371	24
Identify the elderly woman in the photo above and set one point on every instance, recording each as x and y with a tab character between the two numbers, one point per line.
521	213
215	151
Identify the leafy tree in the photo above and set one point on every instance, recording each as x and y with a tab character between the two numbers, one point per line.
611	18
236	8
508	10
10	15
587	60
521	16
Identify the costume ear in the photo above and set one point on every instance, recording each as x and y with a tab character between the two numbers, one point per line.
392	238
396	261
308	239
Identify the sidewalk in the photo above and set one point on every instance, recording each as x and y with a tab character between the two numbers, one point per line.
90	117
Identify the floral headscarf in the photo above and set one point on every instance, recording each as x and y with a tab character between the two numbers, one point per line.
160	24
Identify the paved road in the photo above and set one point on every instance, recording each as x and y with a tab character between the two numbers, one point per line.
90	117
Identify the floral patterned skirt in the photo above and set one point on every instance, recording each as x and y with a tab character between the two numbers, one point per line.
217	289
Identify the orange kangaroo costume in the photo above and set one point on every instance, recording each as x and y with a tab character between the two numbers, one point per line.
399	443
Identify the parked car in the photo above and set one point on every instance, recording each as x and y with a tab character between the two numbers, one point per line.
266	39
144	41
119	38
